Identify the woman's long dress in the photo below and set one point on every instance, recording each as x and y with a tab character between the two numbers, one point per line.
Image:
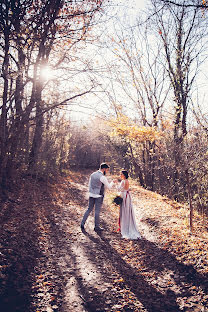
127	218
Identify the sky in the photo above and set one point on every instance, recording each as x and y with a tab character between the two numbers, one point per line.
89	106
126	10
140	3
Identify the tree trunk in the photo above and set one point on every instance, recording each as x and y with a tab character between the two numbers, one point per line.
190	201
17	128
3	119
138	173
137	168
37	139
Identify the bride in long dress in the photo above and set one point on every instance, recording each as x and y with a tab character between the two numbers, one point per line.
127	218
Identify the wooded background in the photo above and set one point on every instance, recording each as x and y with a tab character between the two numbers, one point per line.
140	79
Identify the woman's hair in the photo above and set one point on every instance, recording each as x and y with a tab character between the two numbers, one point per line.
125	173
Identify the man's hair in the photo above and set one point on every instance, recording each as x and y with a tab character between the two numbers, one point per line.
104	165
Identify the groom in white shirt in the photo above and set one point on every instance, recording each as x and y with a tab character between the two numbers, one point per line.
98	182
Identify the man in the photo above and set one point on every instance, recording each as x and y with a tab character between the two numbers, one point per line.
98	182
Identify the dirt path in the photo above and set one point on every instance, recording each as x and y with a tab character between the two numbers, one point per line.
49	264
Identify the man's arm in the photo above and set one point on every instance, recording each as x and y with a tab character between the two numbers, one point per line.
104	180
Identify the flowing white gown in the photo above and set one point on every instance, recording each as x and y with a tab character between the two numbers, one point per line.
127	218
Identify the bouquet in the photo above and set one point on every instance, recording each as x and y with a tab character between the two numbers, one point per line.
118	200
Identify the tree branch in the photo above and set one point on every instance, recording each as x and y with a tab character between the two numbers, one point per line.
198	6
65	102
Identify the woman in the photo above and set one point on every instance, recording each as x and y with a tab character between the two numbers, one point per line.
127	218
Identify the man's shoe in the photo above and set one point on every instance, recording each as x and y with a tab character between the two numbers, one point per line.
98	229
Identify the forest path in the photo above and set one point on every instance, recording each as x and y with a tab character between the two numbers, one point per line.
67	270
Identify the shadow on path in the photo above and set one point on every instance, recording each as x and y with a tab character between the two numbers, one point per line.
80	295
71	289
151	299
18	257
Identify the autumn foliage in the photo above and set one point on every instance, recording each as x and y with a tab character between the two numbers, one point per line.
122	126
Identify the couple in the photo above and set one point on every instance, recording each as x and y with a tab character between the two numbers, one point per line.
98	182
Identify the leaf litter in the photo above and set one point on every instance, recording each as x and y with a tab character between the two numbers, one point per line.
48	264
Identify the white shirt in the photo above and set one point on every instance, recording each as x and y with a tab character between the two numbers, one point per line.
104	180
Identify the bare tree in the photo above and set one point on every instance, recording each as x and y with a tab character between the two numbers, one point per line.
183	34
141	80
32	33
200	4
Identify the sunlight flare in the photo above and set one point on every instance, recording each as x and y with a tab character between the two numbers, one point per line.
46	73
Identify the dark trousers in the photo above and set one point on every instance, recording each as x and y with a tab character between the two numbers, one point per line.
97	202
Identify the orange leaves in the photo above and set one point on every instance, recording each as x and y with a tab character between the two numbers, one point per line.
124	127
47	284
204	2
53	298
170	283
121	280
4	266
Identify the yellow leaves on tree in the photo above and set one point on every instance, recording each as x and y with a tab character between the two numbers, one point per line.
123	126
204	2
